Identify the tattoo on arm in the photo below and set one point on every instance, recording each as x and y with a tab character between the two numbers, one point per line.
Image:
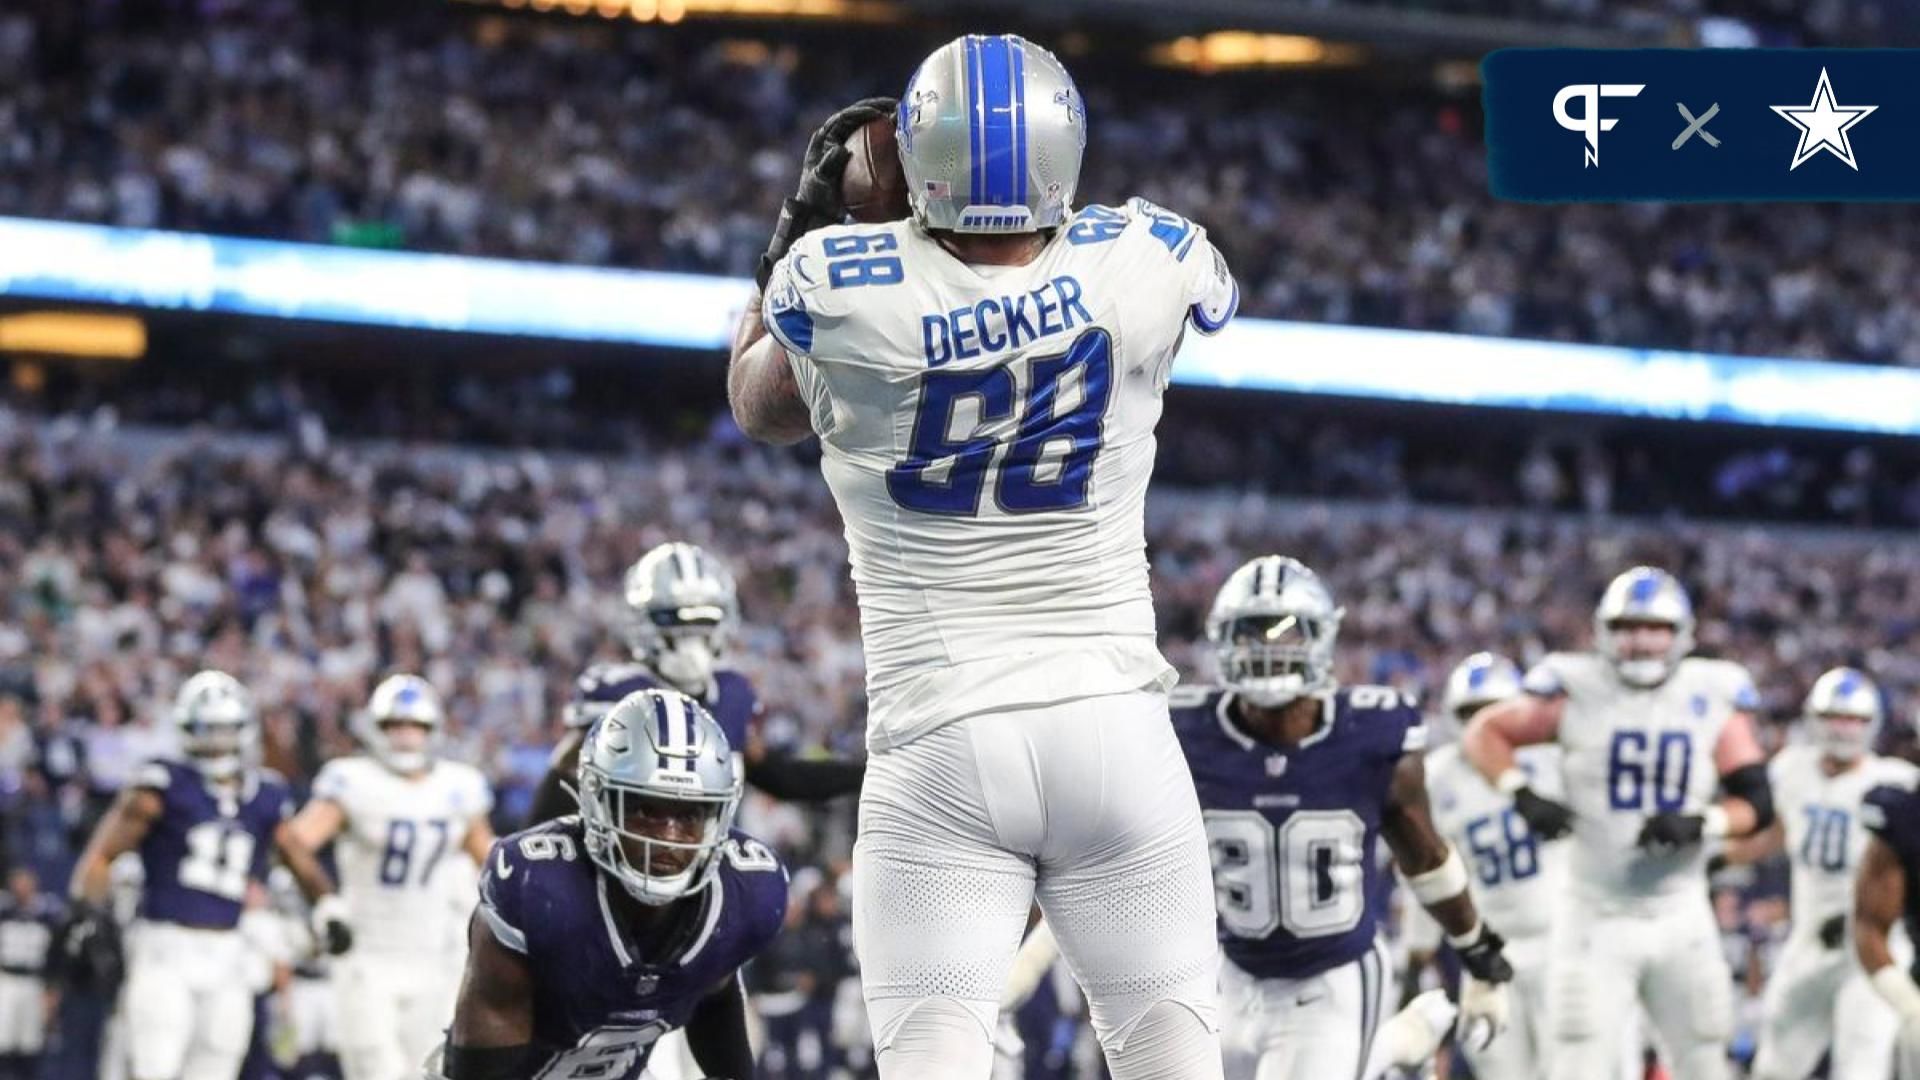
765	397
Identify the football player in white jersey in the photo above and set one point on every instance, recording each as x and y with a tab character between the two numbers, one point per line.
985	378
1649	735
1515	878
1818	997
402	818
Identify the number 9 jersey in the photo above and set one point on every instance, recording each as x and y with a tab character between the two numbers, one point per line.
987	432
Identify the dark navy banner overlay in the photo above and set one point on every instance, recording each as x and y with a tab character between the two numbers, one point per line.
1599	125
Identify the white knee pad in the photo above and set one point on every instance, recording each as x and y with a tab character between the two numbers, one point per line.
1170	1041
936	1039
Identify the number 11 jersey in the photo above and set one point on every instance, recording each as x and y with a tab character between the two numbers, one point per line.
209	841
1293	829
987	432
400	836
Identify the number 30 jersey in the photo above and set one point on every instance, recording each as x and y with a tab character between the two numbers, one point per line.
400	835
1293	830
1630	753
209	841
987	432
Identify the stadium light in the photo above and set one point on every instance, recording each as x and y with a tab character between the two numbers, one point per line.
152	269
1230	49
73	333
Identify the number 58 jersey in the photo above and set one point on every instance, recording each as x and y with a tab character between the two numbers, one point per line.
399	836
987	432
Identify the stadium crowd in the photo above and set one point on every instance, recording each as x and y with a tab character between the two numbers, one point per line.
1345	197
310	567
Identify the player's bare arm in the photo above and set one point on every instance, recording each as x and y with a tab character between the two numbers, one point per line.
122	828
317	823
717	1032
1489	745
760	384
492	1033
1438	879
329	910
1879	898
1747	806
479	839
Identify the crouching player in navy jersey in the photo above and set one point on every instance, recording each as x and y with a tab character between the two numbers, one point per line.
203	828
599	932
1298	779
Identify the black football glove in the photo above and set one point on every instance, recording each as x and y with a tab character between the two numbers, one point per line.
1547	819
1834	931
1483	958
817	203
87	950
1664	834
330	928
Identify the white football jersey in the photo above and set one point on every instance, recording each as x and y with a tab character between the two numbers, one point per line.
1820	815
402	838
1633	752
1515	876
987	432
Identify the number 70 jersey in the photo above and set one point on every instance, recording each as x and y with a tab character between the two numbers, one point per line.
987	432
399	837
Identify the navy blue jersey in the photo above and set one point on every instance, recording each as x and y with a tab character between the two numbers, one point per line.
1893	814
208	842
26	933
1293	830
599	688
595	995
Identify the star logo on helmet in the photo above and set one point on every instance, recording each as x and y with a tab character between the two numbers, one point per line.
614	735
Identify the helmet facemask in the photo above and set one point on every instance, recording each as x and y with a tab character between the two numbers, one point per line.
404	706
214	716
1844	711
1638	667
659	848
1270	660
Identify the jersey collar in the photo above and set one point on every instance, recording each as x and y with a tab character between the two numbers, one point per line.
1223	712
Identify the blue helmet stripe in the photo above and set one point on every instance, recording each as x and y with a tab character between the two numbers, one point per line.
976	114
661	726
1019	51
1643	588
999	159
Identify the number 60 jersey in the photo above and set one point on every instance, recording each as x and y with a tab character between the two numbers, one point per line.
1293	829
987	432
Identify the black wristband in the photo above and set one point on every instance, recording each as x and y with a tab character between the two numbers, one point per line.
492	1062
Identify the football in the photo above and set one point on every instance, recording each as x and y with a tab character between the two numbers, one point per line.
874	188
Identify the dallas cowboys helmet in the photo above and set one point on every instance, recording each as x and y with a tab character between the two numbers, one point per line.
215	718
1272	627
1479	681
1844	712
1644	595
657	761
682	609
991	131
401	699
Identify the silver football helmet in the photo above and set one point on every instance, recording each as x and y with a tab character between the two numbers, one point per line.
682	610
401	699
1273	627
1844	712
1644	594
1479	681
215	717
991	131
658	793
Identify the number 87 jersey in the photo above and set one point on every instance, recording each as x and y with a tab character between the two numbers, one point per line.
987	432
